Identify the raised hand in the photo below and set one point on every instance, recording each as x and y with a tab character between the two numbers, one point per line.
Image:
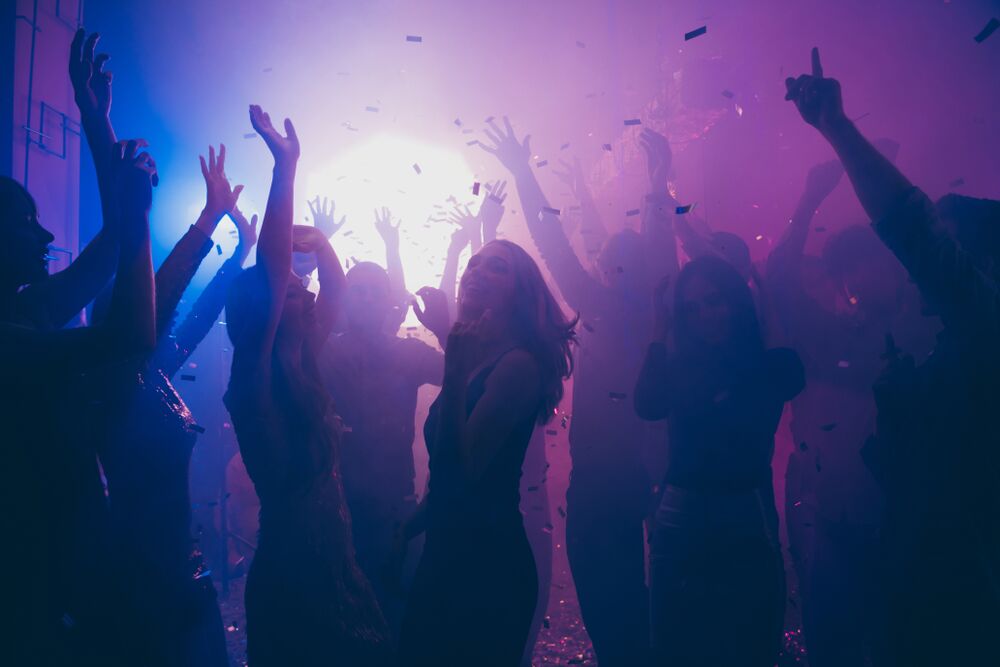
91	84
308	239
572	176
816	97
323	216
285	149
134	176
492	209
658	158
822	180
247	233
512	153
466	221
383	225
220	197
434	314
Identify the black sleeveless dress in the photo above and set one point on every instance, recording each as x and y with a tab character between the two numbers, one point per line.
476	587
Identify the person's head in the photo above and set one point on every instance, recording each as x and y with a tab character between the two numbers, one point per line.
975	224
714	308
23	242
622	263
505	280
735	251
367	303
303	263
867	273
246	303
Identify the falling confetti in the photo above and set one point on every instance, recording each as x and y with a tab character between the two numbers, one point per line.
990	28
414	38
697	32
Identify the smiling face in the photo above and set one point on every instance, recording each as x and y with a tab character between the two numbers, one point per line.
25	243
488	283
706	312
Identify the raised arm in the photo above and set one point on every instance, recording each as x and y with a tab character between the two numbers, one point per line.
592	230
177	270
129	329
491	211
332	281
252	352
659	210
393	265
580	289
902	216
66	293
205	311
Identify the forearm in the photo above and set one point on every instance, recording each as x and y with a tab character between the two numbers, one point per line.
877	182
449	276
131	316
176	272
658	232
394	267
332	283
204	313
274	249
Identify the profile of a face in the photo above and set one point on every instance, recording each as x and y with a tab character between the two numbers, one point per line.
488	283
367	302
706	312
25	243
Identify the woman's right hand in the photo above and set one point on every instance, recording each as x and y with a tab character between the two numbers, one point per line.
285	149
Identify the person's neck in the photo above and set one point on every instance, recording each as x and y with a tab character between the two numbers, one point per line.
8	299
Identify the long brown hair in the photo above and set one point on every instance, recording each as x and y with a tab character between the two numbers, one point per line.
541	327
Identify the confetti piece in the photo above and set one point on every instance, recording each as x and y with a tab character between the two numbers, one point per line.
564	147
631	212
416	168
681	210
218	249
990	28
633	121
843	364
371	109
188	378
697	32
414	38
853	300
728	94
759	237
268	69
251	135
551	431
616	396
553	211
541	163
475	188
956	183
606	147
580	45
472	143
197	429
739	110
458	122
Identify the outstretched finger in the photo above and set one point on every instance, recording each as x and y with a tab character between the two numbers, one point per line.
496	128
211	158
75	49
506	124
204	167
220	164
290	130
90	46
100	61
817	67
236	193
494	137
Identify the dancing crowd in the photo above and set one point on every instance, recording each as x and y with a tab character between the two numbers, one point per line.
885	347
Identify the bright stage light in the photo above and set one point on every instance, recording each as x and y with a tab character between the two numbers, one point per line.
381	172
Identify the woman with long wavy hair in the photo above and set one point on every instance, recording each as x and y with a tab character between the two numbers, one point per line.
307	602
475	590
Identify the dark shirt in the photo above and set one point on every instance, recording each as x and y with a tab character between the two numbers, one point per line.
722	414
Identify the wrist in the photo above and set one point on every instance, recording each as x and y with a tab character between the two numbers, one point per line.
208	220
836	128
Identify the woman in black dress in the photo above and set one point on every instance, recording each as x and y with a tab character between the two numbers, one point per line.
307	601
475	590
717	582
